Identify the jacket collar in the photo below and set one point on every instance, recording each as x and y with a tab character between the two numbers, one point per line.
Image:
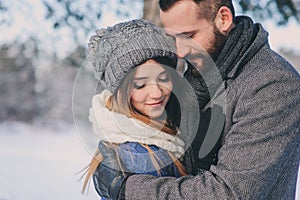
243	42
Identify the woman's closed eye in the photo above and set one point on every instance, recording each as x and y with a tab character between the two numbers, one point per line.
141	82
138	85
165	79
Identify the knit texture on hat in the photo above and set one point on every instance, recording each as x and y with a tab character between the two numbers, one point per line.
115	50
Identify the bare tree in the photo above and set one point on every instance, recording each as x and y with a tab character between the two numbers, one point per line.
151	11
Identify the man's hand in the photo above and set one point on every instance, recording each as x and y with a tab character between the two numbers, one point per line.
108	177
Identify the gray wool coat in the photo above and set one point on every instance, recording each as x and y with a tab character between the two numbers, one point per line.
260	151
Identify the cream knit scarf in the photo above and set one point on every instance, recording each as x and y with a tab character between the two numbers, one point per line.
118	128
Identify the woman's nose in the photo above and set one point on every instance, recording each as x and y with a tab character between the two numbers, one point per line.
155	91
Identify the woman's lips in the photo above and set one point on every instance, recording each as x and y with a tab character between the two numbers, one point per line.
155	104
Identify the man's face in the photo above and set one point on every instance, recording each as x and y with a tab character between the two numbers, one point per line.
195	36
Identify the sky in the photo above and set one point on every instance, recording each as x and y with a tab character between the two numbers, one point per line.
29	20
284	36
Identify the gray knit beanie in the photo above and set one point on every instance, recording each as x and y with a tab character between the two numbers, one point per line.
115	50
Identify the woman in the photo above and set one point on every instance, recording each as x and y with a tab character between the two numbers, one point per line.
137	113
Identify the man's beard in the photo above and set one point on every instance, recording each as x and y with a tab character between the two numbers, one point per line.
203	59
217	44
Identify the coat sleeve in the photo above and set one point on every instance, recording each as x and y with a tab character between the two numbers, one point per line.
260	153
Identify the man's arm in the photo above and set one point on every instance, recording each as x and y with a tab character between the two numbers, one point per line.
259	157
260	150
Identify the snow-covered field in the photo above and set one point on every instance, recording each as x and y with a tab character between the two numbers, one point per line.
39	164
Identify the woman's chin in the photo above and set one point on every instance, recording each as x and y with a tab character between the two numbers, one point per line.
158	114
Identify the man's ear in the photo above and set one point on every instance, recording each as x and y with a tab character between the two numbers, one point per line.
224	20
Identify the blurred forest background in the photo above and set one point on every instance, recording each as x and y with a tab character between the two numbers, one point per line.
39	62
42	60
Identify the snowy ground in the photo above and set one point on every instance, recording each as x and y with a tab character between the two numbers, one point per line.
38	164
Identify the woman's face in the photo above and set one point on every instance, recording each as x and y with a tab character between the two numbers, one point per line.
151	89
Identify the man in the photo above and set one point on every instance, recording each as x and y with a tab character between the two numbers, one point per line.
258	153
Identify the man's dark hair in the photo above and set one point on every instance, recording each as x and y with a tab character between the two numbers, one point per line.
207	8
166	4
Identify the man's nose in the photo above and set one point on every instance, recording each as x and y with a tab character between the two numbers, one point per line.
183	49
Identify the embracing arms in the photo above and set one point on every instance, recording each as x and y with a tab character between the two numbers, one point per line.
260	151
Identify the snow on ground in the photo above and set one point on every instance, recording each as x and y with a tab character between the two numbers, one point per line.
39	164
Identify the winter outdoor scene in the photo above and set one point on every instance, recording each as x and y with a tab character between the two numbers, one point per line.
46	86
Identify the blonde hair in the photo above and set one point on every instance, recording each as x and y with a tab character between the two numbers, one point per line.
120	102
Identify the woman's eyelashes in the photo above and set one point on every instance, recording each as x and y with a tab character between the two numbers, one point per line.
139	84
164	78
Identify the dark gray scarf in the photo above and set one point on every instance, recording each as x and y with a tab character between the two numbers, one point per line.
242	43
